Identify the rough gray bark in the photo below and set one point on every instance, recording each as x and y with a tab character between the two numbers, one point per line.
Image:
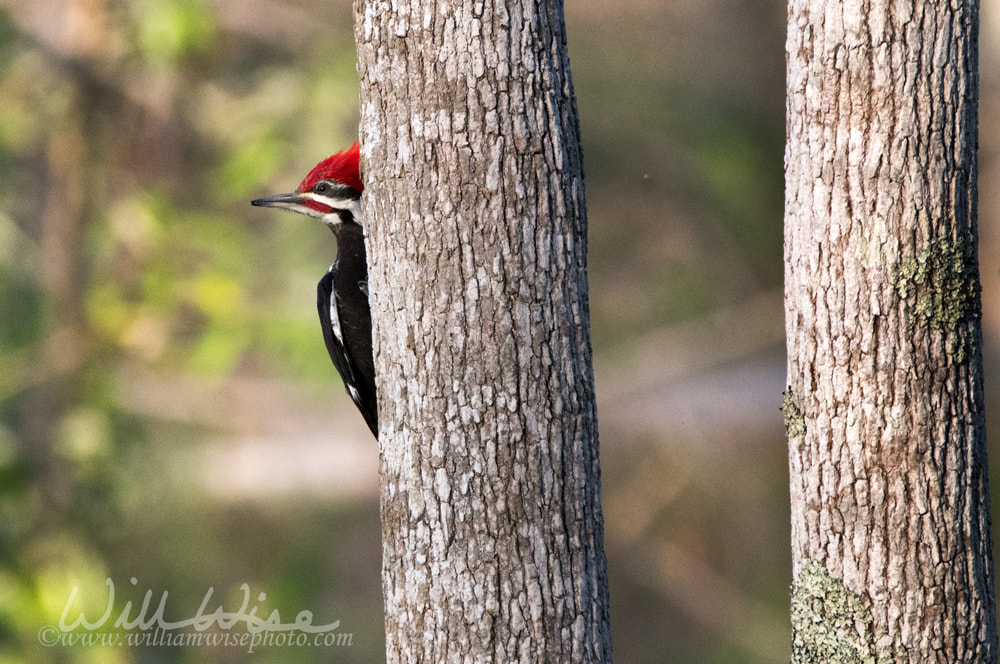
890	505
476	231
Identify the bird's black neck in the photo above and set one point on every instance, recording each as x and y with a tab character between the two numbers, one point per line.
351	267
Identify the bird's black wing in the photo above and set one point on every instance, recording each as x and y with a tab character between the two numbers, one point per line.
350	346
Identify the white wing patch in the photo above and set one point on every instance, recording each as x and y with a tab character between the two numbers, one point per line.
335	317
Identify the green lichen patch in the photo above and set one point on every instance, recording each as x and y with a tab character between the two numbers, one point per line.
944	283
795	419
830	623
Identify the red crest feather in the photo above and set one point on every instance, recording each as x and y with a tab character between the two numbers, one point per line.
342	167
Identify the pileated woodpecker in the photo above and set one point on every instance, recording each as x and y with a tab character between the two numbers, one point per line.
332	193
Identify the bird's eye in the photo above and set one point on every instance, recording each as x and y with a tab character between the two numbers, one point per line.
321	187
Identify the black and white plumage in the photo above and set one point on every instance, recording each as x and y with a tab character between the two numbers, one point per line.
332	193
349	337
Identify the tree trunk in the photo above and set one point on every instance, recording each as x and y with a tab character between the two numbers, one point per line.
476	229
884	410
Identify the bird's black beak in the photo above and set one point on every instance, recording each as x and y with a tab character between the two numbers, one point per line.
281	200
295	202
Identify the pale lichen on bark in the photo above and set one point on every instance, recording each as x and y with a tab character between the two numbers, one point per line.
943	282
831	624
795	420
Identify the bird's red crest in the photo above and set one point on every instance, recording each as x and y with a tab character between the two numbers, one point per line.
342	167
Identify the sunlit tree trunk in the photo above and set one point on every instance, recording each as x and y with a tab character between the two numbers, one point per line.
884	410
476	228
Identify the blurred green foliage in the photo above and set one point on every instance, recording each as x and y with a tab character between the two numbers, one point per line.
169	31
131	137
137	288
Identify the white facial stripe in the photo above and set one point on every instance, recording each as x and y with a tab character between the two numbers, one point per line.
352	205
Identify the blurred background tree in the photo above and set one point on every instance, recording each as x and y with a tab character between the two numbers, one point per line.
167	409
